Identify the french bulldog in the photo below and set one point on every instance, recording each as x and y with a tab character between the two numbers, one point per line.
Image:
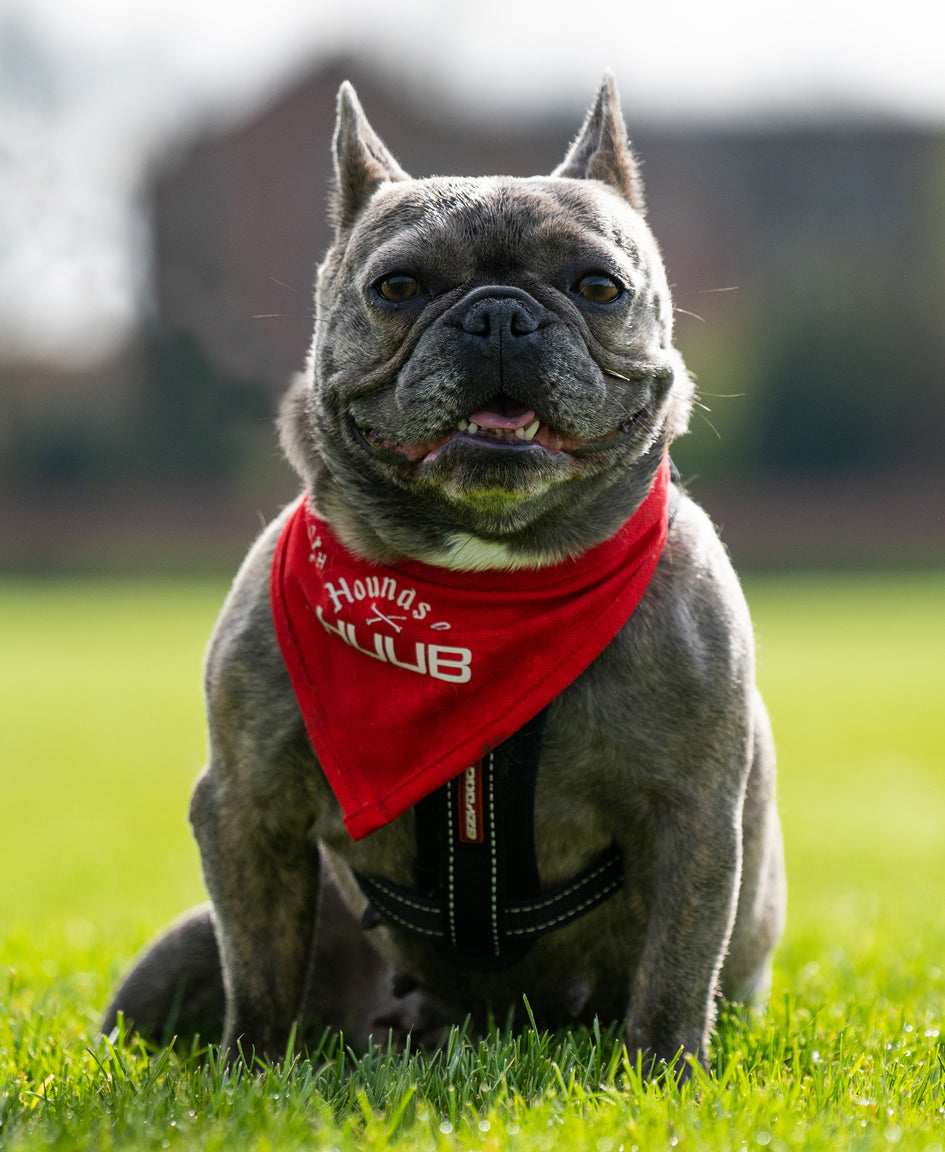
488	405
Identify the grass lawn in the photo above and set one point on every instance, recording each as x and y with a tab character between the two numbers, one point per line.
102	735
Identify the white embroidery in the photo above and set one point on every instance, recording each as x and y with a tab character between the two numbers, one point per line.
380	618
340	593
454	665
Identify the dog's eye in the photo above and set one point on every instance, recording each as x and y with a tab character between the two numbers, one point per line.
398	287
598	289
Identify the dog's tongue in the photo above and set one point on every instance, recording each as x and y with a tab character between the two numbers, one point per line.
512	416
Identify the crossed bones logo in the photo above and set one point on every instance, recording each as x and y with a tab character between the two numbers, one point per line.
380	618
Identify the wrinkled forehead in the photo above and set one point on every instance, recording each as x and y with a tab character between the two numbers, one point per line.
520	222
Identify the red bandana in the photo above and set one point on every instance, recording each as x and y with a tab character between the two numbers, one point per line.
407	674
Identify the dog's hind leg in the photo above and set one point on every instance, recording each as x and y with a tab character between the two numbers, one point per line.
176	986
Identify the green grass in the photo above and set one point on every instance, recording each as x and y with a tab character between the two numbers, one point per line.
102	734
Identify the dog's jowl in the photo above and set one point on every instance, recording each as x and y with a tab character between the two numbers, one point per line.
482	706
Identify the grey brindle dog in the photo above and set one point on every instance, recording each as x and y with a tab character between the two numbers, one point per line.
440	297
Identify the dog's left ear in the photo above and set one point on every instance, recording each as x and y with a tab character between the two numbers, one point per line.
362	161
602	151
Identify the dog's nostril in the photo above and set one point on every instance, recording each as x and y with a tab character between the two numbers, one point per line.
477	321
494	317
522	323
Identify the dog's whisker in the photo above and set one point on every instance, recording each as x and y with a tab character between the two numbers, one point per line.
709	422
282	284
281	316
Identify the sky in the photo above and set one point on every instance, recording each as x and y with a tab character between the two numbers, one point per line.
91	93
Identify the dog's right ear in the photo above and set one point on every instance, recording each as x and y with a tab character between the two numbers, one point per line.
602	151
362	162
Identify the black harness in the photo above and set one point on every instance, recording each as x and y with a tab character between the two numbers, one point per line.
477	894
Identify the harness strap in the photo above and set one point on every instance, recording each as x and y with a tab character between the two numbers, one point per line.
476	846
478	894
524	921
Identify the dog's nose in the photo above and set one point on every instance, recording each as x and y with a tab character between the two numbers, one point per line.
499	316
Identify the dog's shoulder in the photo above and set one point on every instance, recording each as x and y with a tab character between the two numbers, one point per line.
690	639
244	625
699	601
667	705
245	678
696	574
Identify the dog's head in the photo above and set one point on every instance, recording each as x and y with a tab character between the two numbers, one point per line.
492	381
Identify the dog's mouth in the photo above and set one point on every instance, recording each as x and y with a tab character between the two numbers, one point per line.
502	425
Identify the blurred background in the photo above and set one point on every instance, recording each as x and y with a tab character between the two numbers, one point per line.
163	176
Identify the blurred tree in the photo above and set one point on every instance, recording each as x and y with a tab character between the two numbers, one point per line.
849	378
197	420
58	452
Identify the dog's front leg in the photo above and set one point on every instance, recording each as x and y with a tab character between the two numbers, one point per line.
698	863
262	872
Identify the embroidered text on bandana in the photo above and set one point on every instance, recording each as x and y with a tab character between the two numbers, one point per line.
407	674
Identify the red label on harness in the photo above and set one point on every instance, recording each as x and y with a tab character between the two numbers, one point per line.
469	805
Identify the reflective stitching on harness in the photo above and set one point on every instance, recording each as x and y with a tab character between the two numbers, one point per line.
451	884
493	862
399	896
562	893
433	933
391	900
570	914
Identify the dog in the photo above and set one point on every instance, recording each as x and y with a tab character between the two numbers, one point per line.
482	706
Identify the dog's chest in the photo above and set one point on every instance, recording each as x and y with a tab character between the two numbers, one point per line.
583	801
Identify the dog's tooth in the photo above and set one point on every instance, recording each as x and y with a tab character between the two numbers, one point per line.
472	427
529	432
520	433
462	425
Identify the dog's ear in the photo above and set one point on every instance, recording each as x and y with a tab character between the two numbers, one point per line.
362	161
602	151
